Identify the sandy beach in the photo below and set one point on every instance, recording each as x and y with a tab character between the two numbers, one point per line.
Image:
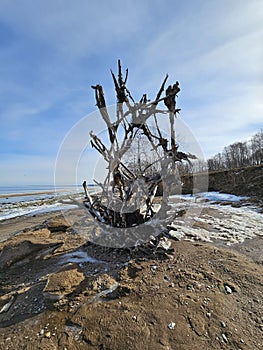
10	195
60	291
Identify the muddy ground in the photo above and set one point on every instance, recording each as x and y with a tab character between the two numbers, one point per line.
59	292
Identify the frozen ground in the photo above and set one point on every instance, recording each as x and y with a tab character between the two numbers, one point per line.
214	216
208	217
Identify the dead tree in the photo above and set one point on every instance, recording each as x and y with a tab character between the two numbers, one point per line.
127	198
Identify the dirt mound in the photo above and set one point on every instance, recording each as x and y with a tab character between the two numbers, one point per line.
82	296
244	182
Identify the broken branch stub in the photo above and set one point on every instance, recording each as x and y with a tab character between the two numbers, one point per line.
135	173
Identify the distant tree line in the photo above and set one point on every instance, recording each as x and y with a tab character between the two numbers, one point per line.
239	154
236	155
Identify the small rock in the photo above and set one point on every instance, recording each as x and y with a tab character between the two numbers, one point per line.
42	332
154	268
228	289
208	314
223	324
48	335
171	325
57	224
164	243
62	283
224	337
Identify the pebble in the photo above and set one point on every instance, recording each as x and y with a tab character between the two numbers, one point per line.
224	338
42	332
208	314
171	325
223	324
154	268
228	289
48	335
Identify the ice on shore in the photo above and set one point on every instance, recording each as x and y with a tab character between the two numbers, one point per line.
206	221
217	196
78	257
35	204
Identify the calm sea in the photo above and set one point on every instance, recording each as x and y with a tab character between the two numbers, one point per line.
32	199
26	189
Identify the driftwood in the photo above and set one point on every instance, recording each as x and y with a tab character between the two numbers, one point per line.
128	192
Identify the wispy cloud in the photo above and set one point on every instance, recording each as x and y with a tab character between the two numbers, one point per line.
52	51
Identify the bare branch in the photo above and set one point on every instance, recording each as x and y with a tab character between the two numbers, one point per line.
161	90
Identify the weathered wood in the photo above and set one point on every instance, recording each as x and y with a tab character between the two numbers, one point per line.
134	120
87	195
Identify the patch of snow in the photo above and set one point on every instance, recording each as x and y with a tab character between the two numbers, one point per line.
225	197
216	222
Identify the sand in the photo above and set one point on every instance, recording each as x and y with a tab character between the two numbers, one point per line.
59	291
9	195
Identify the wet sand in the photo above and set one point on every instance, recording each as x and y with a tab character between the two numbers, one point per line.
10	195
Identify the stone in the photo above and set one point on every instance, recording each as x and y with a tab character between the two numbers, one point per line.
48	335
17	253
224	337
228	289
57	224
164	243
7	306
62	283
153	268
171	325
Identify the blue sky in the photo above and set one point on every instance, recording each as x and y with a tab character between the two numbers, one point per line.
52	51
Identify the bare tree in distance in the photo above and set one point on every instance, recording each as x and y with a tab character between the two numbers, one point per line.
239	154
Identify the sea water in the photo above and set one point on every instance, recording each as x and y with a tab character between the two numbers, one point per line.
32	199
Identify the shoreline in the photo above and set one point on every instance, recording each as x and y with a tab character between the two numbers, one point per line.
57	284
25	194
